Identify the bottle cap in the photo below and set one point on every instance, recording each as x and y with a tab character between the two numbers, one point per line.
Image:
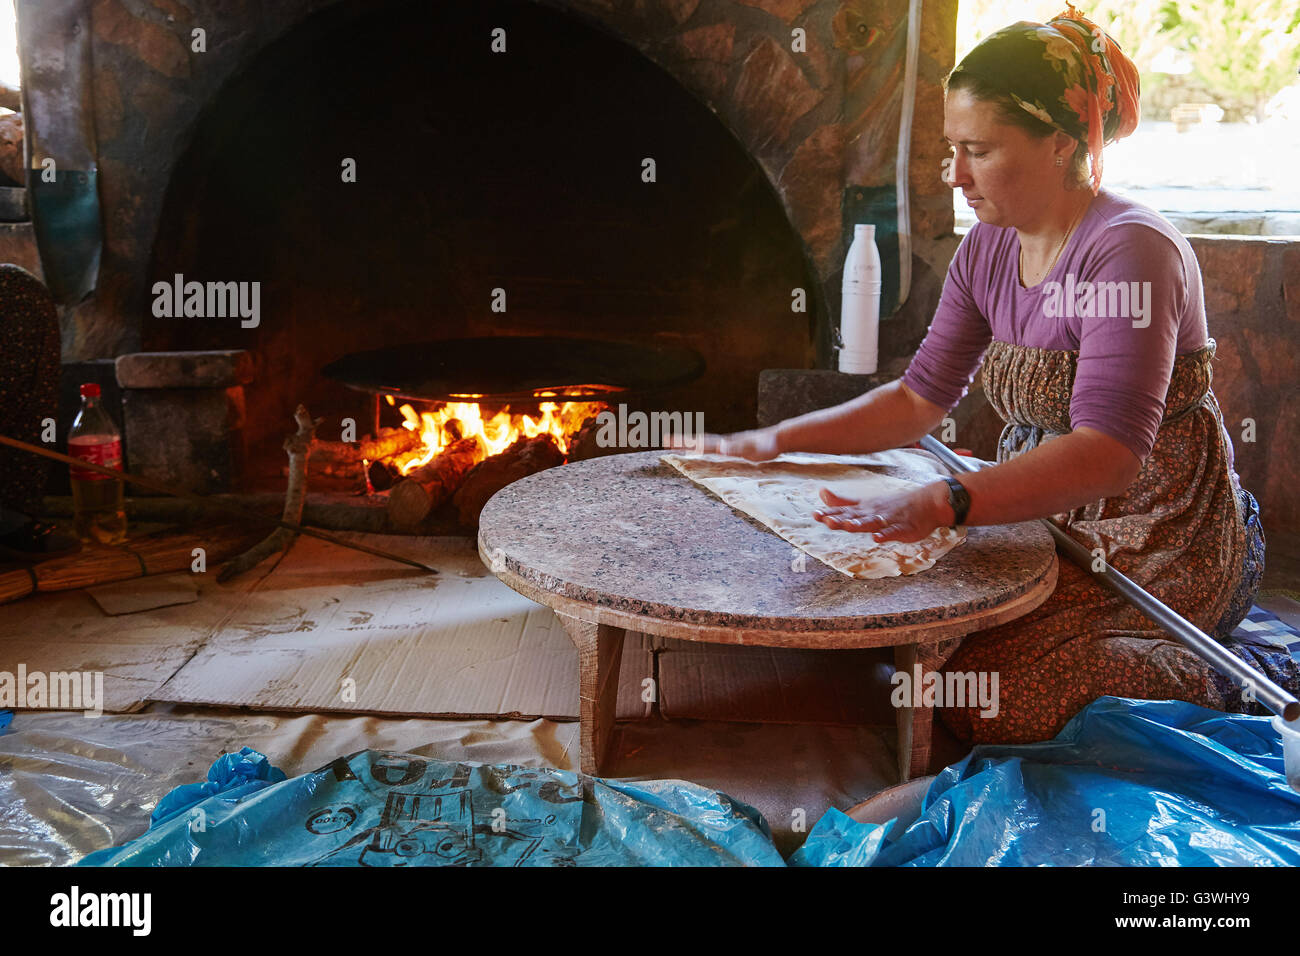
865	230
90	390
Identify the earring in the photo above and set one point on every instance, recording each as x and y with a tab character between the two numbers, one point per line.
1059	161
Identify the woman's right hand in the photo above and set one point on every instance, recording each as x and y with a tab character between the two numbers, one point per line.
759	444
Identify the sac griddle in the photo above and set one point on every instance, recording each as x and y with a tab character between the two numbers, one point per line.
515	368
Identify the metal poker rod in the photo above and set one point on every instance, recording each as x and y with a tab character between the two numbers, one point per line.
1192	637
220	505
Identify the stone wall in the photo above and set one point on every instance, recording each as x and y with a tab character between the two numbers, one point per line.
1252	301
786	108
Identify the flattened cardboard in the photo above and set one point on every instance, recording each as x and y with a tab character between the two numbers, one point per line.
145	594
335	630
457	644
774	685
67	631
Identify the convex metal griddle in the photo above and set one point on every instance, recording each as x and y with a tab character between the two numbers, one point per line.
516	368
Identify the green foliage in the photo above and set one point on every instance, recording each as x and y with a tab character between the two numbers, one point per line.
1242	52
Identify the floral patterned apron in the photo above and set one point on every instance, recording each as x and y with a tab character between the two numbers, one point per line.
1184	530
29	389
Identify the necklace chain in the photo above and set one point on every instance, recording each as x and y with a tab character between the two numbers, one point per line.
1059	249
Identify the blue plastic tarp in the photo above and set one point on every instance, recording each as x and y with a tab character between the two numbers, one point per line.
377	808
1125	783
233	776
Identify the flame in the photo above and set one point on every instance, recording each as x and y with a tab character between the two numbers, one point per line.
441	425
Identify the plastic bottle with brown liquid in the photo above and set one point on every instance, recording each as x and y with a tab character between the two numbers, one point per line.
97	500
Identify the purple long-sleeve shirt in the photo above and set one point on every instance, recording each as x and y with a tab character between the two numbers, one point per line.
1126	346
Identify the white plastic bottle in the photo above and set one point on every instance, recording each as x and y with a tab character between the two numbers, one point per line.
860	309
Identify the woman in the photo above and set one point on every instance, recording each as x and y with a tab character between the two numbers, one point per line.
29	397
1087	313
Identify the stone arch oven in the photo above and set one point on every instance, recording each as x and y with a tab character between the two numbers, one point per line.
486	178
476	171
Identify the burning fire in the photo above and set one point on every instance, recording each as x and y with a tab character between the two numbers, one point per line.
449	422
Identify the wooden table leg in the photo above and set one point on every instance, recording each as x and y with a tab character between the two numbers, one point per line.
916	724
600	652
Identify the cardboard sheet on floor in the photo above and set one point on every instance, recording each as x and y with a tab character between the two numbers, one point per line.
455	644
145	594
774	684
66	631
336	630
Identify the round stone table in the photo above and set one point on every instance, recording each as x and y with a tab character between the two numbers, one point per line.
626	542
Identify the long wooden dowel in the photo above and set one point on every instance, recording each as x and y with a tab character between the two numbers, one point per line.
219	505
1192	637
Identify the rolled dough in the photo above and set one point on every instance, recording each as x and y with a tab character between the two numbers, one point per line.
783	494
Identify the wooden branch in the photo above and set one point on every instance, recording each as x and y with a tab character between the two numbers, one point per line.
428	486
391	441
338	459
298	446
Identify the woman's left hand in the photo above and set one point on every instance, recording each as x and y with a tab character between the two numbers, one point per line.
904	517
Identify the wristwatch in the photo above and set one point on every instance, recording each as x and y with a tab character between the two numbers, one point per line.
959	498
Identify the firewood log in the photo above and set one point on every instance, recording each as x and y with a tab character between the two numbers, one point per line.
430	485
337	459
382	475
524	457
391	441
583	444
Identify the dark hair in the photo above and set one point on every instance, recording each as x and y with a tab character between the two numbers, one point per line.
1011	113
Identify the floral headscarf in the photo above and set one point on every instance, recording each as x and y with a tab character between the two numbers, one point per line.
1067	72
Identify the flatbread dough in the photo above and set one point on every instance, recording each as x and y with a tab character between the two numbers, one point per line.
784	492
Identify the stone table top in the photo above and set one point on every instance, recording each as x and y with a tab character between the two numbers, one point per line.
626	540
